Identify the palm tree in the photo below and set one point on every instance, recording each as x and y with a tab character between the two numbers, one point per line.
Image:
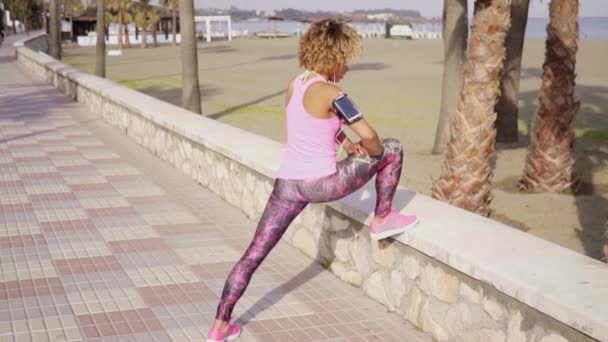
154	20
455	32
142	19
466	171
550	161
100	52
506	108
122	8
55	29
173	6
127	19
191	96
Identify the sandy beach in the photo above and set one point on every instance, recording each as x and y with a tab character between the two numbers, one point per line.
397	84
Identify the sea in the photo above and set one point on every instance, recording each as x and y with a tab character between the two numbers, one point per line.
590	28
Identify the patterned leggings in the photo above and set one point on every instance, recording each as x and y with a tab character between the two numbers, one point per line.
290	196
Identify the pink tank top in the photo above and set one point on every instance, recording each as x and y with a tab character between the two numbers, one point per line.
311	146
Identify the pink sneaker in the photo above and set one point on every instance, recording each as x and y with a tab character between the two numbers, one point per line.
229	333
394	223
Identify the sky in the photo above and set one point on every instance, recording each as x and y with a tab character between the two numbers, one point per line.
428	8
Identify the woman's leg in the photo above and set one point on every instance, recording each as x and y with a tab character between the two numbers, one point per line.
277	216
388	176
290	197
353	172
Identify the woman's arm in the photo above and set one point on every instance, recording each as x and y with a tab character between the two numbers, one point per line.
369	138
318	101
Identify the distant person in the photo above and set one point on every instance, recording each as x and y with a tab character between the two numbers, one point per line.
309	173
1	23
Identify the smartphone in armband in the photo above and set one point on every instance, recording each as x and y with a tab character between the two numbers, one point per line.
346	109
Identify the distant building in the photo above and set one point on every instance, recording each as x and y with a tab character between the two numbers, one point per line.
381	16
87	23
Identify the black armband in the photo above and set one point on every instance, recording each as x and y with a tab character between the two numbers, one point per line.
346	109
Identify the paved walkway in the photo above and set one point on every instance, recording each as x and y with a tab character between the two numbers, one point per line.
101	241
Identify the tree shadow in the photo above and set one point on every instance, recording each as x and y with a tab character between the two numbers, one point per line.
591	150
236	108
29	103
369	66
279	57
7	59
591	115
217	49
174	95
363	198
591	199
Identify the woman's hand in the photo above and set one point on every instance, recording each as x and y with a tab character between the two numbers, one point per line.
351	148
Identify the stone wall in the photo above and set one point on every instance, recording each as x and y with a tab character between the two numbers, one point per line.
458	276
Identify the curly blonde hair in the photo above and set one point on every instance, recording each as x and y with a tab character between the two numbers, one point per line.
328	45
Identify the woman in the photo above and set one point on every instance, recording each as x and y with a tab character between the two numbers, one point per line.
309	172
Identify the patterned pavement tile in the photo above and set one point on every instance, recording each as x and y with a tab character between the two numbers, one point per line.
145	260
33	168
66	226
128	232
94	154
138	188
40	199
6	159
46	189
51	147
84	243
47	133
106	263
92	188
184	293
179	229
8	174
54	178
111	212
74	131
29	152
85	141
63	160
13	195
22	241
19	222
136	245
91	301
115	323
47	286
163	213
59	210
162	275
103	201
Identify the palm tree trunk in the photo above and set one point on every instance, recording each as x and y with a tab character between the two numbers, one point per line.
466	172
26	27
55	29
174	25
127	39
506	108
550	161
155	33
100	53
144	38
121	22
191	97
455	33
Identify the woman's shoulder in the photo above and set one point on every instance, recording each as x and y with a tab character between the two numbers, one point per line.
325	90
